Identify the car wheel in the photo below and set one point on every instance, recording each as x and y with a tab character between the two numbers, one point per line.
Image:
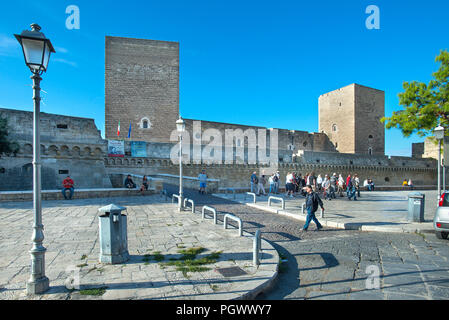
441	235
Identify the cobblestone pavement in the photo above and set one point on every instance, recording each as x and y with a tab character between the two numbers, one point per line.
156	234
384	211
341	264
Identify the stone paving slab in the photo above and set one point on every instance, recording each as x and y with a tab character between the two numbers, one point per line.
381	211
71	239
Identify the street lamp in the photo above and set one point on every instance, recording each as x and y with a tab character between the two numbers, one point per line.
439	135
180	127
36	50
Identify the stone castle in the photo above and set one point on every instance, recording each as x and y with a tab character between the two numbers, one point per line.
142	88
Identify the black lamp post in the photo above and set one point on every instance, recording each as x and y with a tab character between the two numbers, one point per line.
36	50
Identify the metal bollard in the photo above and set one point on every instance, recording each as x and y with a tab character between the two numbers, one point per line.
191	202
251	194
214	212
256	248
271	198
232	217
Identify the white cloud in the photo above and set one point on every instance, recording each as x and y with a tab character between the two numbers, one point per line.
61	50
60	60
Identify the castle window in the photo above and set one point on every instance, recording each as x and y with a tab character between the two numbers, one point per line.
63	171
370	151
145	123
61	126
2	170
370	137
336	145
334	128
305	144
387	179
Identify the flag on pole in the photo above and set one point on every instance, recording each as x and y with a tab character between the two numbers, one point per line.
129	131
118	128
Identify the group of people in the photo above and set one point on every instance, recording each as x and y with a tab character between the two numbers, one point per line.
295	183
258	183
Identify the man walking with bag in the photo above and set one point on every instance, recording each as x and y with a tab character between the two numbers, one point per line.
312	202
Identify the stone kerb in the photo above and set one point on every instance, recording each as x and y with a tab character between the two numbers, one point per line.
79	194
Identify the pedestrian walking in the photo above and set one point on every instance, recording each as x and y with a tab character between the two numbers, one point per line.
272	183
357	184
326	186
254	182
333	186
351	192
341	185
261	185
313	201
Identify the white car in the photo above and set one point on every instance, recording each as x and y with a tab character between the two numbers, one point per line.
441	219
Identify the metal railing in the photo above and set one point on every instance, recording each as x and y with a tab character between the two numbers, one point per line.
214	212
231	189
251	194
271	198
232	217
177	196
191	202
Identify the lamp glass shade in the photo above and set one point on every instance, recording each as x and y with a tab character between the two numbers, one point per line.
34	52
439	133
180	125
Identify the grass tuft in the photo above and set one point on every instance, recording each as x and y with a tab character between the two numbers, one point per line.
93	291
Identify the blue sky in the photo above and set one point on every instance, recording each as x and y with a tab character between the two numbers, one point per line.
249	62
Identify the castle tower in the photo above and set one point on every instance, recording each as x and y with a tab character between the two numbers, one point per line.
141	88
350	116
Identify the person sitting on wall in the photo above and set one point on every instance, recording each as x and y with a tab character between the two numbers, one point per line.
370	185
129	183
404	184
68	185
144	185
410	184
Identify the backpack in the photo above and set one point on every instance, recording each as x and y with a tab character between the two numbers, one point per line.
275	179
256	180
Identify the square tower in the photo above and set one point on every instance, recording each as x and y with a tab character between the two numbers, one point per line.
141	88
350	116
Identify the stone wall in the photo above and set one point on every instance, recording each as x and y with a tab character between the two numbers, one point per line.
390	172
69	145
141	86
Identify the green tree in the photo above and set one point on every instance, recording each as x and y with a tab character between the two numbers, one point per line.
425	105
6	146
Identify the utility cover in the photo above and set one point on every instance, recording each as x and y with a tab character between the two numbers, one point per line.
232	272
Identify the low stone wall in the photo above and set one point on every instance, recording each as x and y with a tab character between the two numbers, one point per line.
118	179
79	194
190	182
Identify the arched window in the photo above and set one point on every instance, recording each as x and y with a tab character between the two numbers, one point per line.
370	151
370	137
145	123
334	128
